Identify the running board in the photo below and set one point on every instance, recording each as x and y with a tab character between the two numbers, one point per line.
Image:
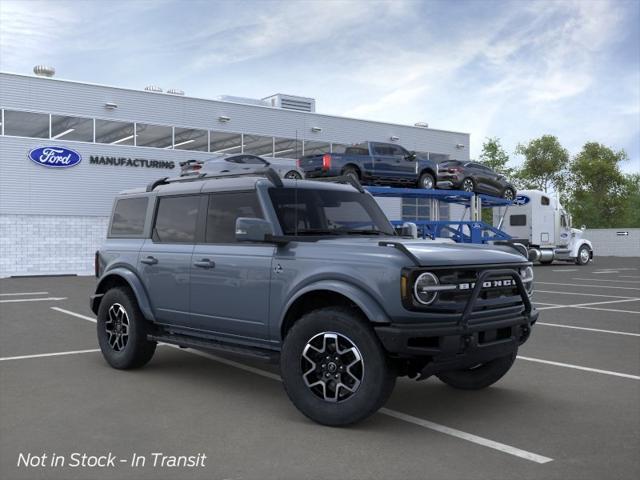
185	341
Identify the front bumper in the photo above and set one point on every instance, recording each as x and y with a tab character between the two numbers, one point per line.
475	336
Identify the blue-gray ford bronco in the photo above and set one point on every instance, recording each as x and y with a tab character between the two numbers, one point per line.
313	275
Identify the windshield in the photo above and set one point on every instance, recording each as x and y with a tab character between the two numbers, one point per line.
303	211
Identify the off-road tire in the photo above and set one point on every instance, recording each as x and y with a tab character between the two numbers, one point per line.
478	377
136	351
377	380
425	180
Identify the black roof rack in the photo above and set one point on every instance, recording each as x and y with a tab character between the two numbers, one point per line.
268	173
343	179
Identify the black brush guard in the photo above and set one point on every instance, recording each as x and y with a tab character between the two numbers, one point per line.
463	343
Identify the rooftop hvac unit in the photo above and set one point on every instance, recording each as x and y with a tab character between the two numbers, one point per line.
175	91
44	71
153	88
292	102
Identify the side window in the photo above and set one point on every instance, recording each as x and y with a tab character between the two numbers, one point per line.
224	209
563	221
380	149
518	220
128	217
176	219
544	201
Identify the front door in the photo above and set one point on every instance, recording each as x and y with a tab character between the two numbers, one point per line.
392	163
165	259
230	282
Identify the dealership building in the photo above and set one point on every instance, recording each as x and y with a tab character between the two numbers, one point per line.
52	219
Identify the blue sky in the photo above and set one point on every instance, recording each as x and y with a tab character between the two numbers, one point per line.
511	69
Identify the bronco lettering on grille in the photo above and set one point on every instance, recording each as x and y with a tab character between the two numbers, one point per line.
488	284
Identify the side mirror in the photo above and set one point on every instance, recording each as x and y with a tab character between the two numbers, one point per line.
252	229
412	156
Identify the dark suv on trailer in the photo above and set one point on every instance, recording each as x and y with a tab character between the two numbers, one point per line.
311	273
474	177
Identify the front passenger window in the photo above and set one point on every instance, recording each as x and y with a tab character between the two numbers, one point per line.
224	209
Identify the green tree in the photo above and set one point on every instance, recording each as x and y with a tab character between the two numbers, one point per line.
545	164
630	216
599	193
495	157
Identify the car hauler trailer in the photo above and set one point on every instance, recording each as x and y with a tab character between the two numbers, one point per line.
539	222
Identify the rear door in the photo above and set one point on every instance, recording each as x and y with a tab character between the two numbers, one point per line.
230	281
165	259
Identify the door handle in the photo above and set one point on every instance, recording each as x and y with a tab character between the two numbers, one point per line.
149	260
205	263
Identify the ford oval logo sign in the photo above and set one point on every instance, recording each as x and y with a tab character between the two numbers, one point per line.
521	200
55	157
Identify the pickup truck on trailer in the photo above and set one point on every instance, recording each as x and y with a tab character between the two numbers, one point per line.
311	273
374	163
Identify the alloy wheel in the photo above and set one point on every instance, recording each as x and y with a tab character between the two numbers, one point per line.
584	255
117	327
508	194
332	366
467	185
293	175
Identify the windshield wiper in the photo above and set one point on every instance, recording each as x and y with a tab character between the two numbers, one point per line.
316	232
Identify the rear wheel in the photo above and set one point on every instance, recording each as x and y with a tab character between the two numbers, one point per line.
333	367
351	172
468	185
508	194
584	255
122	330
426	181
293	175
480	376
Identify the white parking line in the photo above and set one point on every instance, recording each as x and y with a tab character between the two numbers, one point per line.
567	270
629	276
611	310
533	457
606	272
581	285
598	330
607	280
585	305
55	354
74	314
23	293
47	299
585	294
578	367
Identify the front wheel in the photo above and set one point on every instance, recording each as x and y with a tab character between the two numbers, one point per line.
333	367
584	255
480	376
351	172
122	330
426	181
293	175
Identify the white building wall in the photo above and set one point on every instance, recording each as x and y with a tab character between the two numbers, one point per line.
613	241
46	244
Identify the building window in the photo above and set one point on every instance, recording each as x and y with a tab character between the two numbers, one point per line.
157	136
26	124
416	209
226	143
287	148
115	133
258	145
71	128
316	148
191	139
176	219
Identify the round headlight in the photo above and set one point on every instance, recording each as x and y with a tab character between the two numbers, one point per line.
527	278
423	288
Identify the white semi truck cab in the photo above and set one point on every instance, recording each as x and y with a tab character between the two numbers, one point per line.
539	222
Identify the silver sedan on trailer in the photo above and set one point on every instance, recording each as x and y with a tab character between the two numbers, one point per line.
242	163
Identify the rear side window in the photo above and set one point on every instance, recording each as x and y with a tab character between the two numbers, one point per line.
176	219
224	209
518	220
544	201
128	217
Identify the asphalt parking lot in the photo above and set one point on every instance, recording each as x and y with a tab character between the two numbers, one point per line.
570	407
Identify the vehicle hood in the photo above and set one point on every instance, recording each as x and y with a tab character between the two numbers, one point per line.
433	252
